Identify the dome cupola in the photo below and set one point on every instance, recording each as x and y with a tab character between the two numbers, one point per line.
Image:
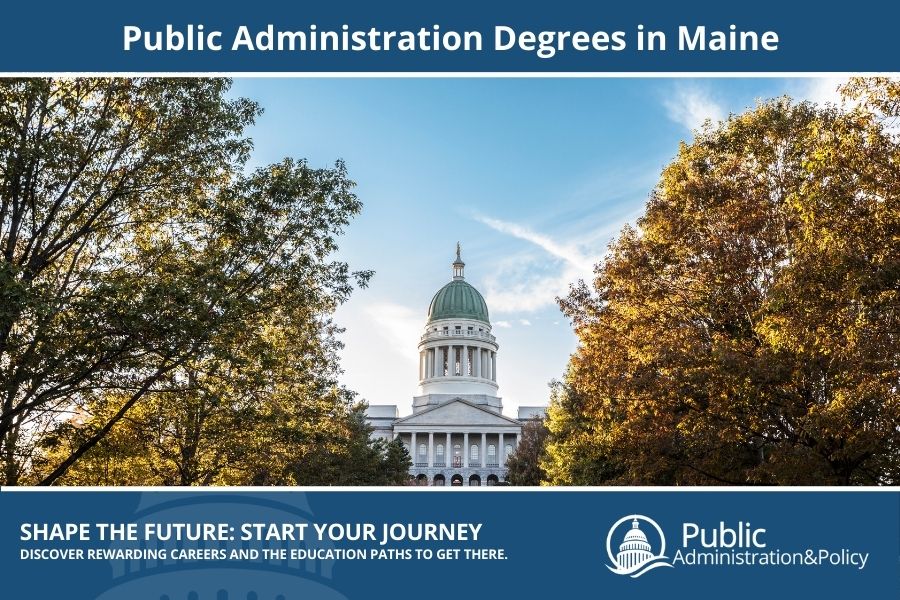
457	351
458	299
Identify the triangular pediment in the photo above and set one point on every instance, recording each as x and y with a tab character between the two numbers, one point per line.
458	412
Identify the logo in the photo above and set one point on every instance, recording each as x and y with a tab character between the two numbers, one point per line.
635	556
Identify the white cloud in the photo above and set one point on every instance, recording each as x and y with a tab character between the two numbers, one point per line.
398	325
568	253
824	90
691	106
502	324
504	294
525	322
821	90
530	281
380	359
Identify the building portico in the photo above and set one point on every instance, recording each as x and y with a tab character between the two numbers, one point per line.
459	438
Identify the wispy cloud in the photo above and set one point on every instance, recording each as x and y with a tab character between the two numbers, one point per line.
525	322
692	105
502	324
533	278
568	253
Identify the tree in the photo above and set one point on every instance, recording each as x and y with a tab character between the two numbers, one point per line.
148	280
524	464
396	463
746	332
361	461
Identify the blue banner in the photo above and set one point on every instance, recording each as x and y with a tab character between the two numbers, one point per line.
235	544
465	36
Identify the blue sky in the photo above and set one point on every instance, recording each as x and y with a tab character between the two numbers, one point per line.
533	177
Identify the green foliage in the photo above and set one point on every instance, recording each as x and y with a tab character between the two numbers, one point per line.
524	465
746	331
165	312
362	461
395	464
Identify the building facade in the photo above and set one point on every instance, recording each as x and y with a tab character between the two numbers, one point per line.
457	433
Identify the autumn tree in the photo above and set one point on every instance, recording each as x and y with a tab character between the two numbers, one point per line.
746	331
524	464
155	294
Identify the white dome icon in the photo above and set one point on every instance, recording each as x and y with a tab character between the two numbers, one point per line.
634	550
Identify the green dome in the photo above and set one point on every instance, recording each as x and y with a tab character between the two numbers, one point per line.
458	300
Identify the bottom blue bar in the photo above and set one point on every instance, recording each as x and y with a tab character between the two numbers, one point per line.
288	545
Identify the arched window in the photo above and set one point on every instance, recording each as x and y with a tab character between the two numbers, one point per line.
473	452
492	451
440	451
423	451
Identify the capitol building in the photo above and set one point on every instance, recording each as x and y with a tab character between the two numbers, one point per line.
457	433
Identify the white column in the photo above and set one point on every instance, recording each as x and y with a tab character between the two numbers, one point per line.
476	357
448	453
517	440
430	449
500	450
466	450
483	449
494	366
414	448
